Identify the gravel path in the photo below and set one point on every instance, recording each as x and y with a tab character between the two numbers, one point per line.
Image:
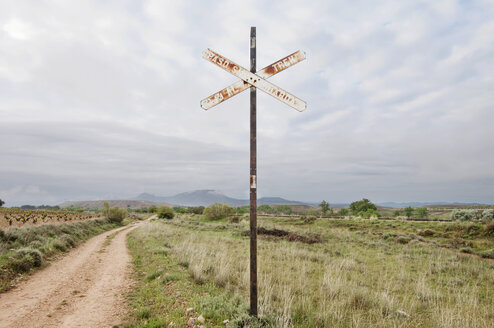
85	288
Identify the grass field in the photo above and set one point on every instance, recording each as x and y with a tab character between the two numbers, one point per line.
325	273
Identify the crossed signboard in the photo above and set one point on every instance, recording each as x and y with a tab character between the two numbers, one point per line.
257	80
254	80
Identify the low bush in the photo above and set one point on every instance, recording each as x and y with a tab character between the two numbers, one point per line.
218	211
165	212
426	233
403	239
26	258
369	213
114	214
489	229
473	215
463	215
117	214
489	254
488	215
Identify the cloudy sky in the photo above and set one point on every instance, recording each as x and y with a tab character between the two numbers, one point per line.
100	99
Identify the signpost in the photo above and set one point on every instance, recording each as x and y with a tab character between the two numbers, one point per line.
254	80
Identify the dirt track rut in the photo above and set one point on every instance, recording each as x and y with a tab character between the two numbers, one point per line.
86	288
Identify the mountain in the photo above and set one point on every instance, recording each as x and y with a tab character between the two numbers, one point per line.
278	201
419	204
207	197
133	204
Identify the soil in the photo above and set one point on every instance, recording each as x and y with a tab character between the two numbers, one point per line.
290	236
86	288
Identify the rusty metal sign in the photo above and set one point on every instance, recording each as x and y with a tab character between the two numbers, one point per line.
255	80
241	85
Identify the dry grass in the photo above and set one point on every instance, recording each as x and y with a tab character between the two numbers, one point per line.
349	280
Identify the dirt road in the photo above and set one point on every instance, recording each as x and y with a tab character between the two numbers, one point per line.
85	288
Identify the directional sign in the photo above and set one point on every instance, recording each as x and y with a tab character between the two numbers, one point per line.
252	79
241	85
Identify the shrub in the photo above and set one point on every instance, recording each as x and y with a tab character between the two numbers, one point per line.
266	209
37	258
489	229
284	209
196	210
218	211
59	245
408	211
171	277
69	240
117	214
165	212
403	240
369	213
22	263
488	215
422	212
362	206
489	254
154	275
464	215
426	233
343	212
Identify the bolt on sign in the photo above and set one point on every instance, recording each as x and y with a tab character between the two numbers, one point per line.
253	80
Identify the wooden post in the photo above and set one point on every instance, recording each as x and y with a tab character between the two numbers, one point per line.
253	180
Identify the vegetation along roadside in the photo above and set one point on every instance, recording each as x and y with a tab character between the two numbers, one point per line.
357	273
25	249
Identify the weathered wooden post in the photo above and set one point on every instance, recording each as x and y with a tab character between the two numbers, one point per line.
254	80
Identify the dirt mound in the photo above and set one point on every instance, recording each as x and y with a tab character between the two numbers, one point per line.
287	235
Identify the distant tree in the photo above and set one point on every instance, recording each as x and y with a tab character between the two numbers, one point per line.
242	209
117	214
181	210
218	211
422	212
106	210
196	210
397	213
313	212
114	214
362	206
408	211
152	209
1	203
343	211
165	212
284	209
265	209
324	207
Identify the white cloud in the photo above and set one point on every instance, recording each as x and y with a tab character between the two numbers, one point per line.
391	86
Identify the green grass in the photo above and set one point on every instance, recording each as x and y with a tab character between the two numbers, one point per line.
362	273
26	249
166	289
